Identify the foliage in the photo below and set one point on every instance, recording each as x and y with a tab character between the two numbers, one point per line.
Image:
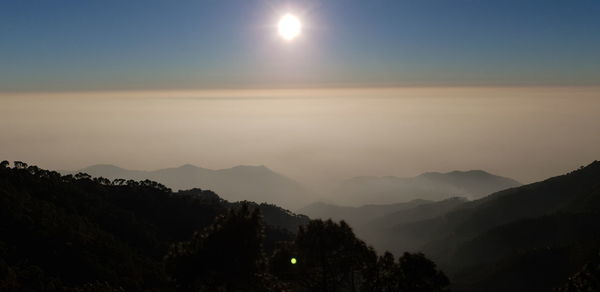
331	258
224	256
79	233
586	280
71	231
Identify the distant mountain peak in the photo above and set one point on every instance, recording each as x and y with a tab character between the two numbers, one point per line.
187	165
473	172
465	173
250	167
472	184
103	167
242	182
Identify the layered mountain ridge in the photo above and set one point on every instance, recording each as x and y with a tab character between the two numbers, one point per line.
252	183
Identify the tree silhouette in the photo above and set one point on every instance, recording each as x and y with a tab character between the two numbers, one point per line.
387	274
419	274
329	258
78	233
226	256
586	280
20	165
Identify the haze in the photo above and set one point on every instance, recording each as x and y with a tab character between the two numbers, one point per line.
312	135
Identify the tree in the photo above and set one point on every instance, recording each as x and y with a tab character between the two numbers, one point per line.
20	165
118	182
587	279
419	274
329	258
226	256
82	176
388	273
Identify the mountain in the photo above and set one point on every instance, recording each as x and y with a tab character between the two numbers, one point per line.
253	183
77	233
570	192
418	213
435	186
473	183
371	222
355	216
515	233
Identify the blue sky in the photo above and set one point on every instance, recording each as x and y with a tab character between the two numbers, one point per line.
77	45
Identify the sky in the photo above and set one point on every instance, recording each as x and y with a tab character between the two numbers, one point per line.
376	87
71	45
316	136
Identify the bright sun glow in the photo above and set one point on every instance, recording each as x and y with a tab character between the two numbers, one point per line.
289	27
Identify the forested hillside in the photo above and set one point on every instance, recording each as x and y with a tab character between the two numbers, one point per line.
253	183
530	238
77	233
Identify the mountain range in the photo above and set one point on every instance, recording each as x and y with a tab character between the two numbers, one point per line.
472	184
252	183
356	216
261	184
77	233
373	222
529	238
424	196
535	237
522	238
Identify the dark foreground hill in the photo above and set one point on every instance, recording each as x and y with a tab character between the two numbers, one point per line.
78	233
529	238
240	183
75	229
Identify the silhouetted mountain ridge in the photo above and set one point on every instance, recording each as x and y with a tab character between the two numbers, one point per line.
75	230
435	186
244	182
356	216
559	215
76	233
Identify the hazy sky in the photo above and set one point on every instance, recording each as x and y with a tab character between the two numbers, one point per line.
312	135
148	84
146	44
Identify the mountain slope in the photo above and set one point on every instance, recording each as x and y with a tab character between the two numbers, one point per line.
355	216
476	183
417	213
529	201
74	231
428	186
253	183
560	215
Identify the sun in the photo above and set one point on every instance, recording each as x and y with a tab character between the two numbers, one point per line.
289	27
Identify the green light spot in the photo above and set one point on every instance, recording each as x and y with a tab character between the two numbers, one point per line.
293	261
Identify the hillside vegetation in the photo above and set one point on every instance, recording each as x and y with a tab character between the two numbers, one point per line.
529	238
78	233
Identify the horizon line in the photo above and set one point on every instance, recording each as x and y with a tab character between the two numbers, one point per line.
182	92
